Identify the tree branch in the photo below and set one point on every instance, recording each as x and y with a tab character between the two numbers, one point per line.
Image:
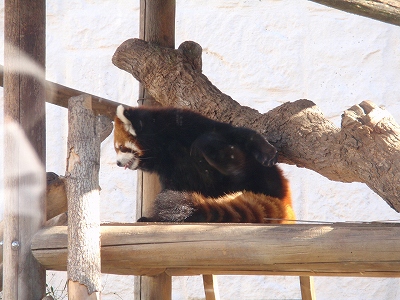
382	10
366	148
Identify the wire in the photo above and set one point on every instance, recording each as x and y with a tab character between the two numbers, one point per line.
332	222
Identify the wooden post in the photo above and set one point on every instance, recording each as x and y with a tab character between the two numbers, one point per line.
307	288
24	146
157	24
210	287
82	188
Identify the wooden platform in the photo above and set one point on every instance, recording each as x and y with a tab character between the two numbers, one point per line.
341	249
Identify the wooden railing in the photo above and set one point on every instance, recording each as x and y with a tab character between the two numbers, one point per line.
59	94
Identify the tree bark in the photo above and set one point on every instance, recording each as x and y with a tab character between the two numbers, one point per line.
82	188
366	148
383	10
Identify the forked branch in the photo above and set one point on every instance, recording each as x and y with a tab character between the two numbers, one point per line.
366	148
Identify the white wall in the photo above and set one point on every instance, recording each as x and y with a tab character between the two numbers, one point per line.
262	53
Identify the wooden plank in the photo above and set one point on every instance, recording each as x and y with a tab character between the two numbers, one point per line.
83	194
24	147
383	10
358	250
307	288
157	24
59	94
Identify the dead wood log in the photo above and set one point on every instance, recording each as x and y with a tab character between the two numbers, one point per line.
366	148
56	199
60	220
383	10
82	189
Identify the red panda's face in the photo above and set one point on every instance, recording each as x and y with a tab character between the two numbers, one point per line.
125	144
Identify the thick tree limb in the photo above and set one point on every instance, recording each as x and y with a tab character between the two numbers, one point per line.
366	148
383	10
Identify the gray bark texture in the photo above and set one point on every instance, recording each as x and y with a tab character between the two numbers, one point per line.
365	149
82	189
383	10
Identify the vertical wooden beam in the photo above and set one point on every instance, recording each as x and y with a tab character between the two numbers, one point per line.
157	24
24	108
156	287
307	288
211	287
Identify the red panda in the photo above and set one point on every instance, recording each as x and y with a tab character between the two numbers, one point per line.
209	171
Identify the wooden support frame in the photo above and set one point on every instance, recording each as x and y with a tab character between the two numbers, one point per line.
59	94
380	13
356	250
210	284
157	24
24	108
307	288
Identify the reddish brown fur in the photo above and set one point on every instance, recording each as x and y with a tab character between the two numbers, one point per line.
121	136
245	207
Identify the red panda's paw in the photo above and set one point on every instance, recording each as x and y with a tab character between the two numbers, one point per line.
262	150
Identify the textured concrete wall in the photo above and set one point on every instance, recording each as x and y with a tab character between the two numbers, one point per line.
262	53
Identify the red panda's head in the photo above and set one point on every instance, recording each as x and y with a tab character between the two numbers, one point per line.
125	143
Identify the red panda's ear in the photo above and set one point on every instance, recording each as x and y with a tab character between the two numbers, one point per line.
121	116
127	124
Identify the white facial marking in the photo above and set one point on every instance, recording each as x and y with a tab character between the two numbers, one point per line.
127	160
130	159
132	146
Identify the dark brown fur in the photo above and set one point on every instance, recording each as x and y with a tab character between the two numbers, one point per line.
209	171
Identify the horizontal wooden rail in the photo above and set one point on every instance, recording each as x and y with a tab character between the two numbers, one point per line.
178	249
58	94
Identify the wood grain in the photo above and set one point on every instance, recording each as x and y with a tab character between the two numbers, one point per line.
24	146
157	25
179	249
383	10
59	94
210	284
